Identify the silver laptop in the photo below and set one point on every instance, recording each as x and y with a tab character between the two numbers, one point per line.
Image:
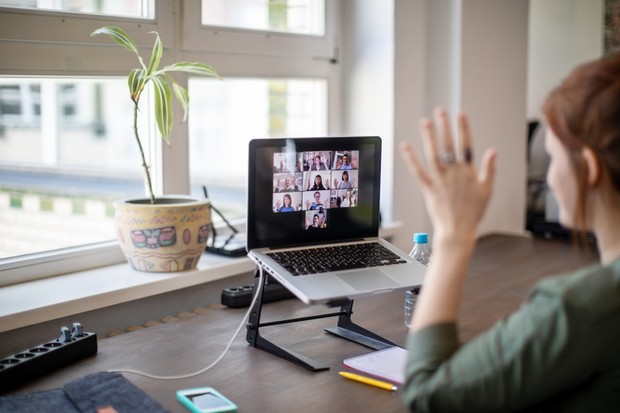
313	219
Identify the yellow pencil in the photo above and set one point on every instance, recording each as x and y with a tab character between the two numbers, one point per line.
367	380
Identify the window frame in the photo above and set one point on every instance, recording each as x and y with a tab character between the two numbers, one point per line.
60	46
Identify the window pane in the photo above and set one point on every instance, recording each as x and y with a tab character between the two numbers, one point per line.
67	151
126	8
225	115
291	16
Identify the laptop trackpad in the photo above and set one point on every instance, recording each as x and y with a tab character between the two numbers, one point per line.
368	280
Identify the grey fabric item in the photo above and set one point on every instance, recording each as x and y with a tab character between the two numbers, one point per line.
51	401
85	395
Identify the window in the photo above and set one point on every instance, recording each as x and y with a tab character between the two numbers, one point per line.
226	115
58	137
290	16
125	8
66	143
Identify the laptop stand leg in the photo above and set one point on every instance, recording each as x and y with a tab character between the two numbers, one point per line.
256	340
348	330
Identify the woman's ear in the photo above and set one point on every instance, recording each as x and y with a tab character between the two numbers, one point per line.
593	164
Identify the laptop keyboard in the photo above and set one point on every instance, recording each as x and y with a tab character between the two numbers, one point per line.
336	258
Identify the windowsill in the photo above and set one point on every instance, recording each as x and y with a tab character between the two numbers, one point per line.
46	299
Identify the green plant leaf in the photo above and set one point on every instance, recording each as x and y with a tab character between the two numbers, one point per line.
155	55
119	36
191	67
137	80
182	96
163	109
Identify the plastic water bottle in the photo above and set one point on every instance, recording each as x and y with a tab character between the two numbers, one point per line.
421	253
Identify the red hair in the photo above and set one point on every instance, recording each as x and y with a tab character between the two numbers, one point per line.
584	111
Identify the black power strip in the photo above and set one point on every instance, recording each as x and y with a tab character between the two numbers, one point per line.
238	297
71	346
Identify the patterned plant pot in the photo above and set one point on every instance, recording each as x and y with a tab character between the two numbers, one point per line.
164	237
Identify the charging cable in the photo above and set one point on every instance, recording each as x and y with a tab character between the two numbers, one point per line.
261	282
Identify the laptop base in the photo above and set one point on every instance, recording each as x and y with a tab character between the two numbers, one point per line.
345	328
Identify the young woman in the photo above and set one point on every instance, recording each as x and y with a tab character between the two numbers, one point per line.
318	183
345	183
559	351
347	200
287	204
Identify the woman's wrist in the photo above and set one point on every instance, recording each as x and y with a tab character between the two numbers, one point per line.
443	285
453	240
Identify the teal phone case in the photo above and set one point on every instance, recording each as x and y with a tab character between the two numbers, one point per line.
184	396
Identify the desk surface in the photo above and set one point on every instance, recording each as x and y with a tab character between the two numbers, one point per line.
503	270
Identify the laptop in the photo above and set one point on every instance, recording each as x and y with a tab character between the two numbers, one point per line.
313	219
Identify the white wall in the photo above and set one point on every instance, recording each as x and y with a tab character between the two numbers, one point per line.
562	34
497	59
493	92
472	55
367	55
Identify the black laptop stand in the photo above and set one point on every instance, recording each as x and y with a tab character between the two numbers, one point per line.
345	328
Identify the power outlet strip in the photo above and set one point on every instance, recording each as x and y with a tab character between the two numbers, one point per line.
71	346
238	297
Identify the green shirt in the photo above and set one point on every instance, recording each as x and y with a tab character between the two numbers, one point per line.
560	352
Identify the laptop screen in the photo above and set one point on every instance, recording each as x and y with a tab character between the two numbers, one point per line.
303	191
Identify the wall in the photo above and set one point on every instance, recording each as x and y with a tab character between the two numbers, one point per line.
497	59
463	54
562	34
367	57
493	92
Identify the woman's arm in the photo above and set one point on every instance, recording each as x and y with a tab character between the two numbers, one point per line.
456	198
542	355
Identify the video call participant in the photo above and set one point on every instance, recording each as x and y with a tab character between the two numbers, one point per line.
315	220
318	184
315	223
316	204
346	162
317	165
347	200
345	183
287	204
288	187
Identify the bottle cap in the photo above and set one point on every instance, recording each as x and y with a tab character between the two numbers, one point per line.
420	237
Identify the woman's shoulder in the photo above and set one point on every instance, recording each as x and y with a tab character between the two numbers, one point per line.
595	289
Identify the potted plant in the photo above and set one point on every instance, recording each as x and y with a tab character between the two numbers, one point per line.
166	233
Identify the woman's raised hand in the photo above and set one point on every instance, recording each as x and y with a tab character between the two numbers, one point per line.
456	196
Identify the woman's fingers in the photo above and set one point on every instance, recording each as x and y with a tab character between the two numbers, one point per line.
431	150
413	163
486	175
439	149
455	195
442	120
465	137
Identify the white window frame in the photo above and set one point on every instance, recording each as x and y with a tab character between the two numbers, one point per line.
44	43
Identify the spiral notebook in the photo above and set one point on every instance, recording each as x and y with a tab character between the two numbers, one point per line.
387	364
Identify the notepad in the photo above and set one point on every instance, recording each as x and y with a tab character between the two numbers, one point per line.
388	364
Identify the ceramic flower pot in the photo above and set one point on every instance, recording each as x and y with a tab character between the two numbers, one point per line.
164	237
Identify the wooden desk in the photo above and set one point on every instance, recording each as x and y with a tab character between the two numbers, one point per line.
503	270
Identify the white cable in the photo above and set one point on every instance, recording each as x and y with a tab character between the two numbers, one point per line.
261	283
